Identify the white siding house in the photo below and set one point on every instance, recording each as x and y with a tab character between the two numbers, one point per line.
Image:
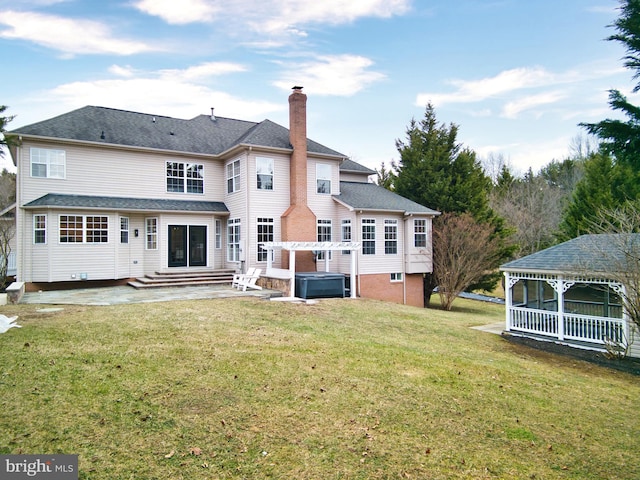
112	195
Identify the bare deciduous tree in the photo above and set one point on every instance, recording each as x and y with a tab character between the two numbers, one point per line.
464	251
534	209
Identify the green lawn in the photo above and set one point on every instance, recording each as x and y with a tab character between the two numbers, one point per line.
343	389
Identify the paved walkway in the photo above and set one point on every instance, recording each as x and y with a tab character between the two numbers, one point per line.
496	328
126	294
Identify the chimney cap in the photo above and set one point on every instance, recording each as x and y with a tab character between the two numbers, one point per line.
297	88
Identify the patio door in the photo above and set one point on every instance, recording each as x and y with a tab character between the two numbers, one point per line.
197	246
187	246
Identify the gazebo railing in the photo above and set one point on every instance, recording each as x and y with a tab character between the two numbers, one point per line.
576	327
586	328
542	322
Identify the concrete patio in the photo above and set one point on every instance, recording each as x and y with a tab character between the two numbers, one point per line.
127	294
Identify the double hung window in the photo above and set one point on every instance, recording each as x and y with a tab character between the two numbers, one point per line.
368	236
323	178
324	235
419	233
390	237
48	163
233	176
39	229
265	234
264	173
233	240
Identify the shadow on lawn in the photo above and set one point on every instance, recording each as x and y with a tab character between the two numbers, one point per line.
627	365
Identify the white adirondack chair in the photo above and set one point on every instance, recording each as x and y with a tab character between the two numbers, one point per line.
249	281
239	277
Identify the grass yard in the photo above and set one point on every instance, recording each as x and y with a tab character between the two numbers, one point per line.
344	389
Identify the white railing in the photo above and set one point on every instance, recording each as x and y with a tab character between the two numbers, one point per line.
594	329
542	322
582	328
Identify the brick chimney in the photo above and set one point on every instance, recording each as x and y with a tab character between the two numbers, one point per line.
298	222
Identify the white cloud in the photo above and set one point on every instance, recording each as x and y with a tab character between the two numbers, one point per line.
340	75
514	108
147	92
272	16
182	12
63	34
122	71
203	71
505	82
295	12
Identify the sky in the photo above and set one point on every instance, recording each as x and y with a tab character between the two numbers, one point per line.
515	76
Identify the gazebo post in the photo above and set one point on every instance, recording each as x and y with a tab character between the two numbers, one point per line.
560	295
508	300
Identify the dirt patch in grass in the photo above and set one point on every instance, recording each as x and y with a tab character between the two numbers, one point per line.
627	365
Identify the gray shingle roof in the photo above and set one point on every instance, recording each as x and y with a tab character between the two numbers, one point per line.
369	196
587	253
349	165
123	203
200	135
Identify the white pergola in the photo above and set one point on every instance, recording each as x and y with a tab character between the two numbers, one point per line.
294	247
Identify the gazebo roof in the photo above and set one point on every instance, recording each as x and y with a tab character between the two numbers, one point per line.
594	254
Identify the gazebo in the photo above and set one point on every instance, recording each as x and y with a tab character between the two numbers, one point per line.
572	293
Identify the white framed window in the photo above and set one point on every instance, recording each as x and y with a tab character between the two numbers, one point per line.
124	229
218	234
84	229
345	234
264	173
368	236
39	229
419	232
265	234
48	163
233	176
323	178
151	231
71	228
185	177
324	235
97	229
391	237
396	277
233	240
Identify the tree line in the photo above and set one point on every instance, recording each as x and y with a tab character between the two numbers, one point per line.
490	215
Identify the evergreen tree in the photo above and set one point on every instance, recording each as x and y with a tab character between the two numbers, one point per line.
620	138
5	139
595	192
435	170
386	177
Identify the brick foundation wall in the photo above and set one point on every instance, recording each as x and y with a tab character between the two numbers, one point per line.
380	287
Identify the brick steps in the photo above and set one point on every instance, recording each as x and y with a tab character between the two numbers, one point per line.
184	278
